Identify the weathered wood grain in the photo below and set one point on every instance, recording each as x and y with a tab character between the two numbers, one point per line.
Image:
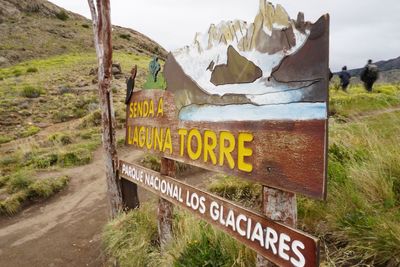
165	208
279	206
288	155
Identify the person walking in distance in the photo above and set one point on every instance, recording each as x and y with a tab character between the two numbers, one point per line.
369	75
344	76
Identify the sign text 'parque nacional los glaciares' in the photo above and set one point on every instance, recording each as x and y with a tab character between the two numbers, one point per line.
281	244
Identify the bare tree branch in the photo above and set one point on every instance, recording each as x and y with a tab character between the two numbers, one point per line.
103	44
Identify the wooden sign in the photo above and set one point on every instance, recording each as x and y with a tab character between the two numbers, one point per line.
277	242
245	99
288	155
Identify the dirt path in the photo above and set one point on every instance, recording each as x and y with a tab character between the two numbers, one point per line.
373	113
66	230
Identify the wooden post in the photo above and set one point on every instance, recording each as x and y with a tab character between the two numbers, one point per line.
165	208
102	42
279	206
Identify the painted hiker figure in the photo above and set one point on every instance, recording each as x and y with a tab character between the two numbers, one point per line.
369	75
344	76
154	68
130	84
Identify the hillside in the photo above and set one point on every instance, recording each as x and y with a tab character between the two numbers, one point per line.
383	65
38	29
49	118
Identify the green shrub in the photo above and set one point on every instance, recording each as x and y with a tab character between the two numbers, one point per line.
32	70
5	139
45	161
23	189
4	180
90	133
74	158
203	252
62	15
121	142
7	160
152	162
91	120
62	116
17	72
65	139
47	187
239	190
159	84
13	203
131	237
19	181
31	130
31	91
125	36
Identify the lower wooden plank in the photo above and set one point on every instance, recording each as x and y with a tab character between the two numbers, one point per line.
279	243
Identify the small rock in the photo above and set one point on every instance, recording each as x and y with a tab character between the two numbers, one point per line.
118	76
43	125
82	84
68	35
93	71
25	113
64	90
24	105
3	61
93	106
116	68
118	47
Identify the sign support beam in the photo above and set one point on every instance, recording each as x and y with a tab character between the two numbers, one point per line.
165	208
279	206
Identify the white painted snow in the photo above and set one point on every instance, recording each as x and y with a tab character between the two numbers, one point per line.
249	112
195	63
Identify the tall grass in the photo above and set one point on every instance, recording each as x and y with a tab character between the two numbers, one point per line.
132	239
356	100
360	222
21	188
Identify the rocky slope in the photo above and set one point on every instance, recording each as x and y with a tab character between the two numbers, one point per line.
37	29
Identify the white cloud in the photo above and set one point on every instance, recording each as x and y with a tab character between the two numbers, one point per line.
359	29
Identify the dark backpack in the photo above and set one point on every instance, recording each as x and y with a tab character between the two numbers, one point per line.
370	73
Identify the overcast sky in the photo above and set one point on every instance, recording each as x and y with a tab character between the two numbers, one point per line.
360	29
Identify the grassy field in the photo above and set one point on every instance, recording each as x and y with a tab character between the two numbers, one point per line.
50	120
358	225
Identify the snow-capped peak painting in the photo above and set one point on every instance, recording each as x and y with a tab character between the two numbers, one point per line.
274	68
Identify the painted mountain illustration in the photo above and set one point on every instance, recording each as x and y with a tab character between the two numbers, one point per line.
272	68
